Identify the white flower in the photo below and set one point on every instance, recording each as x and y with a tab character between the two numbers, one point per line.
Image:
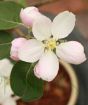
5	67
46	43
5	89
9	101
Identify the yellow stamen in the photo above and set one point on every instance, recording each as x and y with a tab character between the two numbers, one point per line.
50	44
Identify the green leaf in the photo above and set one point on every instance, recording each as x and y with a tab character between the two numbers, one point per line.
9	15
24	83
5	45
5	37
5	50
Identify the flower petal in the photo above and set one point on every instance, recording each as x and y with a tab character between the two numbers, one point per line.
63	24
71	52
29	15
5	89
48	67
5	67
42	28
16	44
31	51
9	101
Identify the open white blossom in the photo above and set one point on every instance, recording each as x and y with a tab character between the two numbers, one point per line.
5	89
47	48
5	67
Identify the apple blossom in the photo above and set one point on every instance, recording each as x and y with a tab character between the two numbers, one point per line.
9	101
5	67
29	15
47	47
5	89
16	44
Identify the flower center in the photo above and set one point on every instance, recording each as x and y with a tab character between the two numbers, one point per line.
50	44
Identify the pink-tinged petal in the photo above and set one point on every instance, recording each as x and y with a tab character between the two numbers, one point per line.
47	67
42	28
5	67
63	24
16	44
14	54
31	51
29	15
71	52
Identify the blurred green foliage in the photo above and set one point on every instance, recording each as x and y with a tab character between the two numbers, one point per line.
9	15
22	2
5	44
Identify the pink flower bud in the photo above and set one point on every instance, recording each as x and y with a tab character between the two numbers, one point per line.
16	44
29	15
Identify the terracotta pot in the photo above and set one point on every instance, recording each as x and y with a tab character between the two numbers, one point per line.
74	83
59	92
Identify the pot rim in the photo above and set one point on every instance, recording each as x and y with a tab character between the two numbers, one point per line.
74	83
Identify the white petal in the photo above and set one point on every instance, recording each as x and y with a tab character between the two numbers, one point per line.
9	101
5	89
71	52
63	24
48	67
42	28
5	67
31	51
